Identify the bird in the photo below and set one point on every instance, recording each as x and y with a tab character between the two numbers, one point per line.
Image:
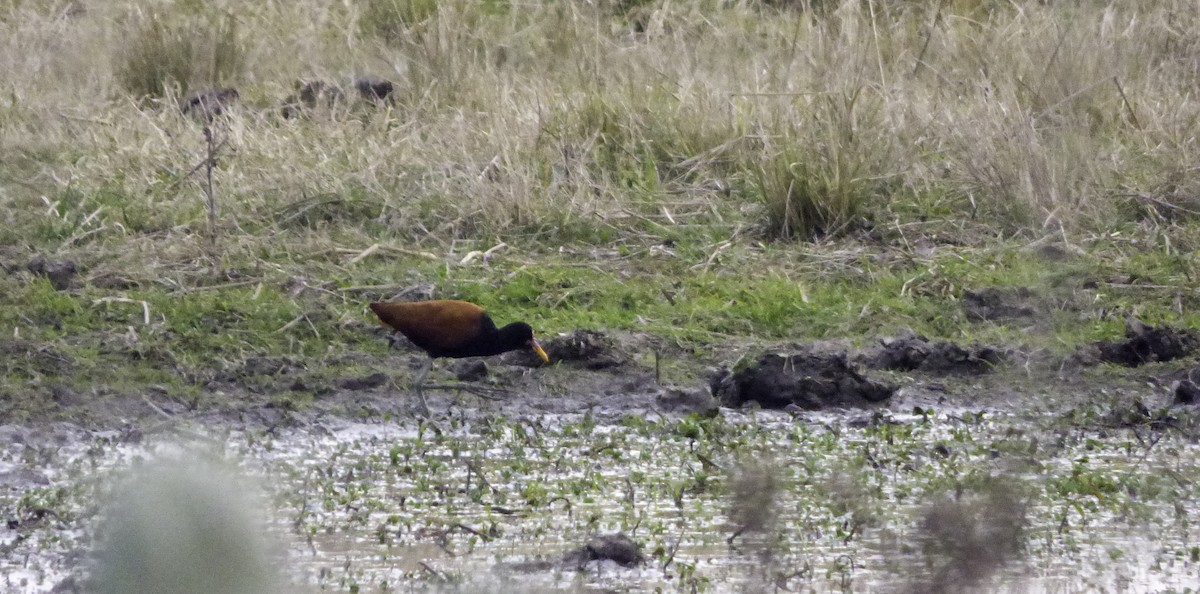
453	329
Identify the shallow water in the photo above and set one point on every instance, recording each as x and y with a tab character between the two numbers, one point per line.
470	505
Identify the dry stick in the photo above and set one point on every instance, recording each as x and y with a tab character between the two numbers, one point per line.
196	168
363	254
657	368
937	15
145	305
674	548
1053	58
209	164
1128	107
388	248
878	51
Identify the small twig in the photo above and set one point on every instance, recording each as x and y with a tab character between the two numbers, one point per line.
596	450
145	305
210	163
674	548
480	391
156	408
657	368
364	254
708	463
1128	107
214	287
937	15
470	530
488	254
439	575
388	248
490	171
562	499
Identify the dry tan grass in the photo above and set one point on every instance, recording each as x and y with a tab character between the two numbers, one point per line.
527	118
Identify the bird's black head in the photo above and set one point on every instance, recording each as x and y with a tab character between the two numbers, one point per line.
519	335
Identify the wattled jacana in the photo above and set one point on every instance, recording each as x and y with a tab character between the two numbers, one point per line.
454	329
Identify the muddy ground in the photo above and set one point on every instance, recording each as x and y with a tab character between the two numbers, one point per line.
613	375
1129	383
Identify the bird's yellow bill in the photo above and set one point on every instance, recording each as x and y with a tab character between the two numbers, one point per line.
537	348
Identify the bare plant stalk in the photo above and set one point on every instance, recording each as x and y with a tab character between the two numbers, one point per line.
937	15
210	161
1128	106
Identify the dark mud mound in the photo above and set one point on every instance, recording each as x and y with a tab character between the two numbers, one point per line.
374	88
366	382
1147	344
582	348
810	381
916	353
1185	387
698	401
998	303
610	547
256	366
472	370
617	548
60	273
312	95
209	103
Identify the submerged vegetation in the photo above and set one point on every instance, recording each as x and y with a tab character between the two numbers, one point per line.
932	502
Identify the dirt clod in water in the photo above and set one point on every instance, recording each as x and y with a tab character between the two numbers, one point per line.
1147	344
584	348
59	272
810	381
998	303
913	352
608	547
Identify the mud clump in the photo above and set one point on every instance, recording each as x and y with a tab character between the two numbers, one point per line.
60	273
209	103
1186	391
583	348
697	401
256	366
311	95
806	380
470	371
1147	344
358	384
610	547
913	352
318	94
374	88
998	303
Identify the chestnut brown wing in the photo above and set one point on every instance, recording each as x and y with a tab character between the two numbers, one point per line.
435	326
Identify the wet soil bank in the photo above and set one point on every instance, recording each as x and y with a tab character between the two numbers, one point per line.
613	375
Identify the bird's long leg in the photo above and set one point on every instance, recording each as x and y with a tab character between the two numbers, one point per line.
419	384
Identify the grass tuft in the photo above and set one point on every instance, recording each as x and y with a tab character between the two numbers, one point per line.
177	52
